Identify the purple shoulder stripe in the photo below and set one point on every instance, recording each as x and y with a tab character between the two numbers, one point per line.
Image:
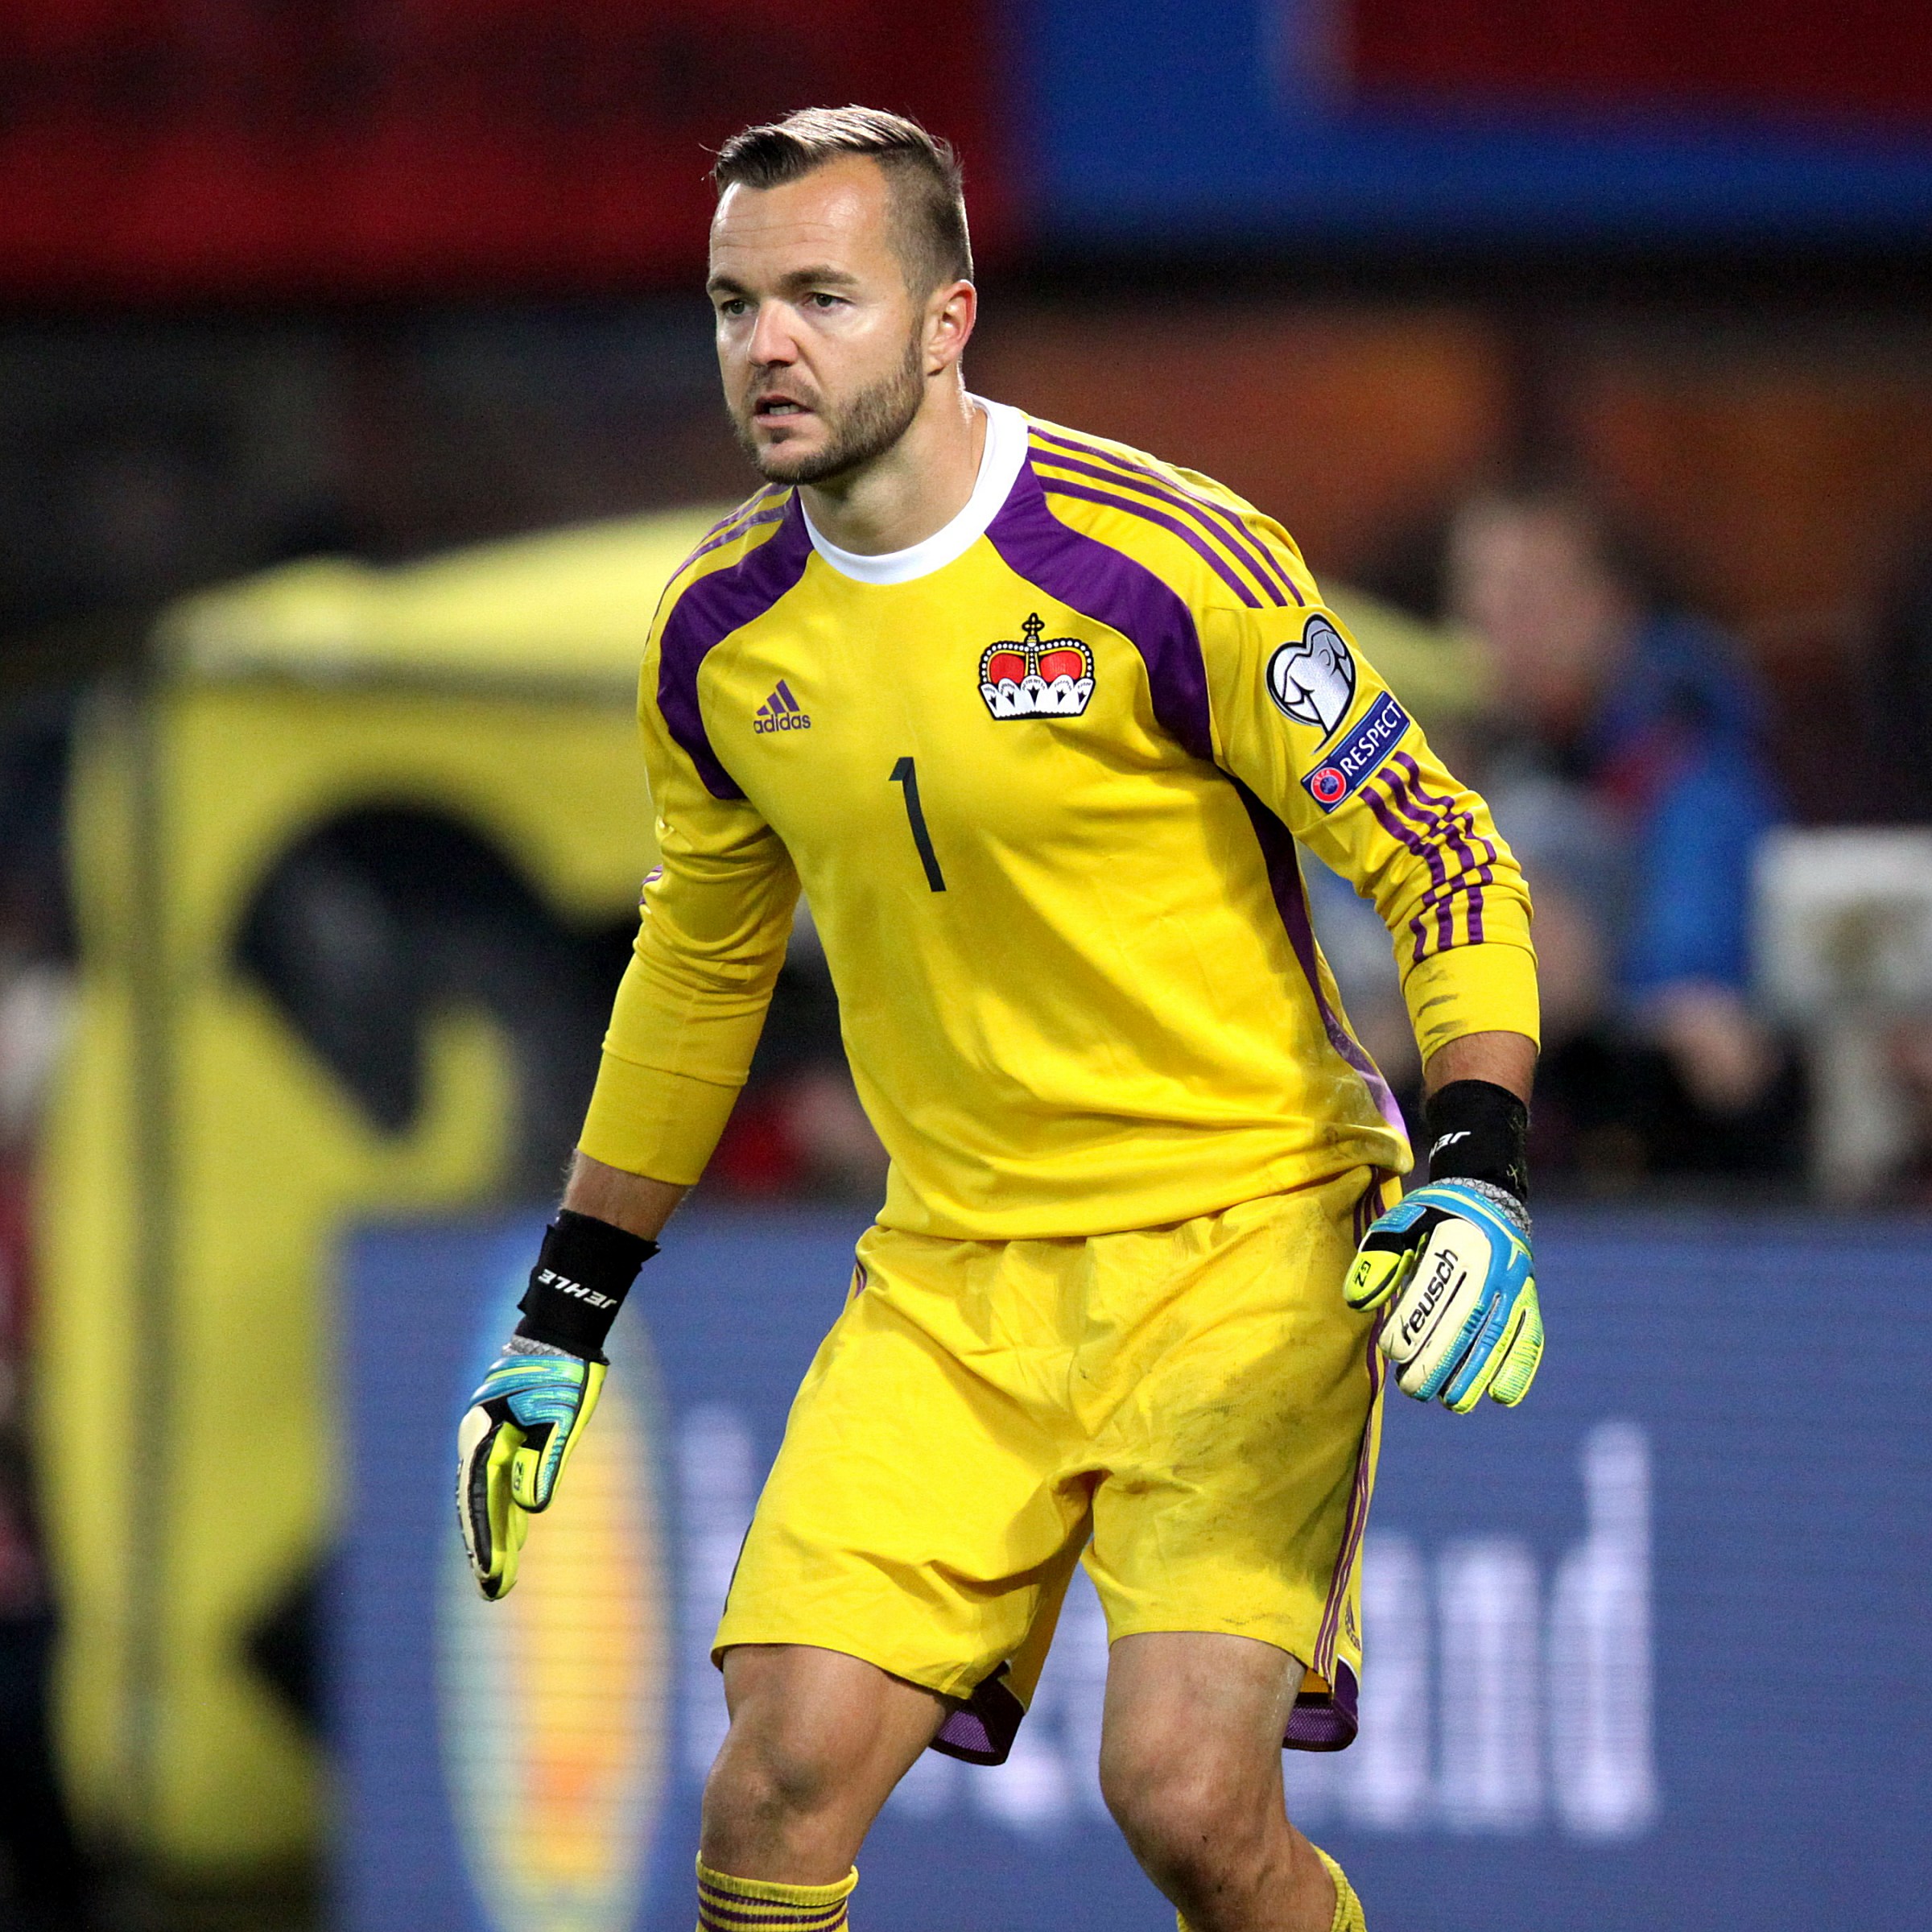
1224	522
775	514
709	611
748	515
1059	486
1103	584
1148	487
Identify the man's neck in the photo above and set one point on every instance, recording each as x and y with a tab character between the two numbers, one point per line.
912	491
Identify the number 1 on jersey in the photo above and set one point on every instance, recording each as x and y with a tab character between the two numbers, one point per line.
903	775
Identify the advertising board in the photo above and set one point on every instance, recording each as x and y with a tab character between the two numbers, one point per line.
1649	1651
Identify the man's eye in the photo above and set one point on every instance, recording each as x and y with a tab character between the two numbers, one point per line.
733	305
819	298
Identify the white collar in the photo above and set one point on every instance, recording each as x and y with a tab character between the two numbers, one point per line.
1000	463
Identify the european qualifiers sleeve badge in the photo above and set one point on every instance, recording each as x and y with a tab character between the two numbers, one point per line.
1312	680
1039	677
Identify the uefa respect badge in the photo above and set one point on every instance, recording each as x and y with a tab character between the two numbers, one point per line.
1339	775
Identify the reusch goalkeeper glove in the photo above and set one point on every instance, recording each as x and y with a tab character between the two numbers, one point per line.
511	1448
531	1409
1451	1262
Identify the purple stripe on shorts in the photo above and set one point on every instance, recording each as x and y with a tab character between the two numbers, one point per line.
1058	487
1106	584
1228	522
1291	902
705	614
1125	477
1357	1520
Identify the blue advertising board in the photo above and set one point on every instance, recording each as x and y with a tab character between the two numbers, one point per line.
1652	1650
1228	121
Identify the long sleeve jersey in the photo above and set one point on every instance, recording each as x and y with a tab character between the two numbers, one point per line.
1041	779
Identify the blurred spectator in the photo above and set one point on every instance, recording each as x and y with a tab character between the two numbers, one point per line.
1908	1061
1626	768
1899	724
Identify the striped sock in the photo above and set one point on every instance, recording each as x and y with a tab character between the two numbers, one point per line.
754	1905
1347	1907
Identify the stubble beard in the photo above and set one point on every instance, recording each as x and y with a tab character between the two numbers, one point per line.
864	428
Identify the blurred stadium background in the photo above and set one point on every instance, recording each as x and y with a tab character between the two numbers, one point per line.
356	398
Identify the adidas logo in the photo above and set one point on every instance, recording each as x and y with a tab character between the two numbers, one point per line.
781	712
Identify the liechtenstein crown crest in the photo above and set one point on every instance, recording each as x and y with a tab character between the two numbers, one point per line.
1040	677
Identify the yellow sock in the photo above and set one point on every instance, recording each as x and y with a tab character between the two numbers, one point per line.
752	1904
1347	1907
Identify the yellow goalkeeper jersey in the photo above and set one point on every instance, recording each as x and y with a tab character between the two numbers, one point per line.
1041	779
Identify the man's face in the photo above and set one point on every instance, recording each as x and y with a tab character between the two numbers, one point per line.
1528	580
820	343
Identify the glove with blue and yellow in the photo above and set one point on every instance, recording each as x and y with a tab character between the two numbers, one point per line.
1451	1263
532	1408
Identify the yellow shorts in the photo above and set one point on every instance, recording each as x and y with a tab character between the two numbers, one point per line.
1196	1399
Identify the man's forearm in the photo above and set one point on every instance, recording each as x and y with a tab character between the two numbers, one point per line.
633	1202
1504	1059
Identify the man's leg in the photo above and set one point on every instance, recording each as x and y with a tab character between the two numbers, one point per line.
817	1741
1190	1762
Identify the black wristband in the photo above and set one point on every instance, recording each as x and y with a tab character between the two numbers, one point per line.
1478	1131
583	1271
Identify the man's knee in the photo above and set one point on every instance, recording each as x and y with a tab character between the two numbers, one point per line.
817	1740
1188	1812
769	1769
803	1725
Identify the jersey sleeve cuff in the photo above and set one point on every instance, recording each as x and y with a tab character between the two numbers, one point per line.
643	1119
1463	990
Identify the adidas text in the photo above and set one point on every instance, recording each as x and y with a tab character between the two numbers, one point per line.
781	712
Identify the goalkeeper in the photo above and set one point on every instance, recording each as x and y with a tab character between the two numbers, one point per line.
1035	720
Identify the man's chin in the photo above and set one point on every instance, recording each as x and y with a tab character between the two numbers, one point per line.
796	460
785	462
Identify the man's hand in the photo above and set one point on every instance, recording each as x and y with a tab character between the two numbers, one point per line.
524	1422
1451	1263
518	1434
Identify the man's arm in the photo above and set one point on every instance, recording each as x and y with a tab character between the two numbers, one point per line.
711	936
1307	724
633	1202
1504	1059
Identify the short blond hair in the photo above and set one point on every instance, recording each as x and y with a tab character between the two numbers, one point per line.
929	201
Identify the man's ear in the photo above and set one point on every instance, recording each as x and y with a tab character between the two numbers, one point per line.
951	312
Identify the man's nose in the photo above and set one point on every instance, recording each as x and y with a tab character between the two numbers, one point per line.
774	343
